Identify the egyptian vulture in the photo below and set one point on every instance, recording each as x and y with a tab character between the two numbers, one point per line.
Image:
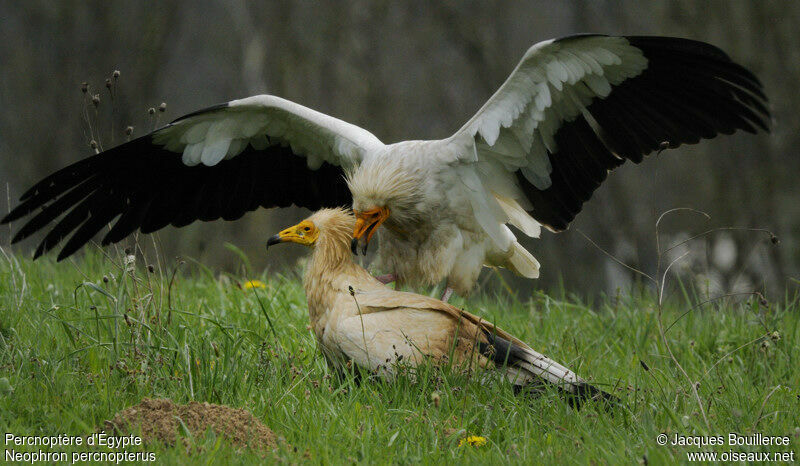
572	110
358	319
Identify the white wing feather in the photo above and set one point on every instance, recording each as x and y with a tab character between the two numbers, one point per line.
554	82
514	131
259	121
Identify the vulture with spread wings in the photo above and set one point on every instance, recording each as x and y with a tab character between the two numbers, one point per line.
572	110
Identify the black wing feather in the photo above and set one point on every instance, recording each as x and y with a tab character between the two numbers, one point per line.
689	91
149	187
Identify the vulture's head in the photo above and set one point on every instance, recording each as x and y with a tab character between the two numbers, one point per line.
381	193
329	226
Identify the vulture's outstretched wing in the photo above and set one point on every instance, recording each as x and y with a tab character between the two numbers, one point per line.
576	108
216	163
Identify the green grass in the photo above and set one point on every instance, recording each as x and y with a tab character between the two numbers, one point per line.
76	348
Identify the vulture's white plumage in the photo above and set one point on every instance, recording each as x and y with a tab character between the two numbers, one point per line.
572	110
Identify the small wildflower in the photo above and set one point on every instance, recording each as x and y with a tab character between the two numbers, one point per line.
473	441
84	87
108	83
115	74
254	284
130	262
93	144
128	130
163	107
151	111
96	100
776	335
105	279
150	268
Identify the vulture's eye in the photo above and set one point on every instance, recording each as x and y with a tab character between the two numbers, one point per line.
307	229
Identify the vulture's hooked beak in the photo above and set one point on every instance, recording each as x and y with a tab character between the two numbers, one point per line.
366	223
274	240
304	233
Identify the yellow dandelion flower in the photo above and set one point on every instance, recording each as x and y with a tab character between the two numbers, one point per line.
473	441
254	284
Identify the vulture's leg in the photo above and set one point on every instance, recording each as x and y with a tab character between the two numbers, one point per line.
447	293
386	278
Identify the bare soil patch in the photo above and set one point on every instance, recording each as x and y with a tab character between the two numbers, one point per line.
157	420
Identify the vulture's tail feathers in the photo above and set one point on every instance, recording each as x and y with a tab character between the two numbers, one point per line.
540	369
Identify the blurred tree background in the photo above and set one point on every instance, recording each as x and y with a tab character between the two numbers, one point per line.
411	70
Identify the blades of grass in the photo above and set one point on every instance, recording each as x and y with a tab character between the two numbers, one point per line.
189	369
185	430
97	288
66	323
68	332
266	314
241	254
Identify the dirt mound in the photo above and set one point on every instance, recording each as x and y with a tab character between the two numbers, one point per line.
157	421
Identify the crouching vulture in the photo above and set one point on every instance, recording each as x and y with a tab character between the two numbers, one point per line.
572	110
357	319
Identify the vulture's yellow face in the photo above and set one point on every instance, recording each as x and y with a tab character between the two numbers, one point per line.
367	222
305	233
